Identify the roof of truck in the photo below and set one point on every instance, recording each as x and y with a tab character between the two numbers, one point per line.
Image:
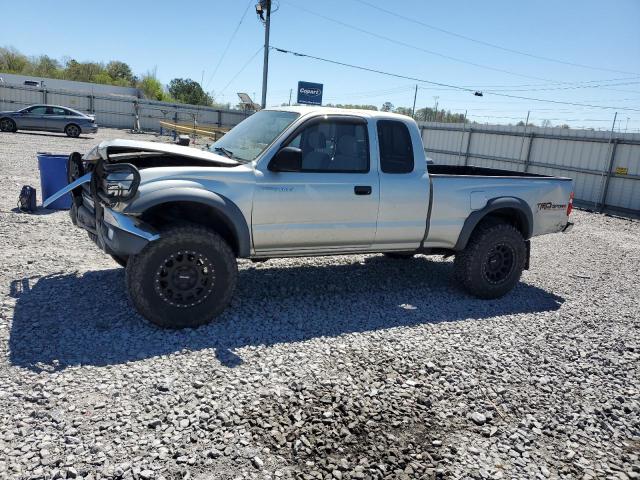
307	109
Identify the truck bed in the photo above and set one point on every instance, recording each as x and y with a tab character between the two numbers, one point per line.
458	191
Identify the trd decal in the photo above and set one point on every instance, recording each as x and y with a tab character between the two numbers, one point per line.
551	206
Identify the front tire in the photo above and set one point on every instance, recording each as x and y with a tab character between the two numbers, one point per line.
8	125
493	260
184	279
72	130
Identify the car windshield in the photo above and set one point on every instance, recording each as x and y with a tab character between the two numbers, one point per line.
252	136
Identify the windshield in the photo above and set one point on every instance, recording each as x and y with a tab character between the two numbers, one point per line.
253	135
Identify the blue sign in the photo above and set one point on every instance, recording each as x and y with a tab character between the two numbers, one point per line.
310	93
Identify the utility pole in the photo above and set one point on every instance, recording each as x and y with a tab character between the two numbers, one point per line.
435	110
265	6
524	134
415	95
290	93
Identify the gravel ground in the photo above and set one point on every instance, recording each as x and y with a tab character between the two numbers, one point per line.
336	367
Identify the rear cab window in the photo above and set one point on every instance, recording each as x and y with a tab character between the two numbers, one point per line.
396	150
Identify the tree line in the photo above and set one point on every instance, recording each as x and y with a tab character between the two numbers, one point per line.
115	72
421	114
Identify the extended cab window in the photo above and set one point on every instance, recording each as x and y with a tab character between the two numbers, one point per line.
334	146
396	152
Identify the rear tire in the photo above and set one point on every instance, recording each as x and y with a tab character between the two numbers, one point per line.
184	279
72	130
493	260
8	125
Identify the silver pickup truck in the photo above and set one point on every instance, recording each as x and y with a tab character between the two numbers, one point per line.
301	181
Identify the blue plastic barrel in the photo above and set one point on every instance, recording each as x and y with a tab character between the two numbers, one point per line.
53	177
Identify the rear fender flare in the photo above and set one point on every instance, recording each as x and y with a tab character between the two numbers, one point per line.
525	218
228	210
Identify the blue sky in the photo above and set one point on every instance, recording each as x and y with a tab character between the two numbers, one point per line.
184	41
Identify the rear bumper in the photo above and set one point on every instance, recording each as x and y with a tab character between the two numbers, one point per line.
568	227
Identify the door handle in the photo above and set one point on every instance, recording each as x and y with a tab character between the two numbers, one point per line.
362	190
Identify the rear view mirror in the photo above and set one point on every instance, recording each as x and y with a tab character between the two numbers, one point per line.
288	159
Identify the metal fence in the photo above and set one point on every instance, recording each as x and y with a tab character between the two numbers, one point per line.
119	111
605	166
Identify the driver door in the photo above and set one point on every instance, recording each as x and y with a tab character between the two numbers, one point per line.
33	118
331	203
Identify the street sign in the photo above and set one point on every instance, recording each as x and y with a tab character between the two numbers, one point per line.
310	93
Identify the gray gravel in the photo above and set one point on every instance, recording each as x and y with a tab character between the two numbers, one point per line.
335	367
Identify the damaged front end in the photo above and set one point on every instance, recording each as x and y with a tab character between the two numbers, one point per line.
108	176
95	187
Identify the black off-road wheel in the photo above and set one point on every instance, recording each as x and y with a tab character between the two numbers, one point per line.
120	260
184	279
493	260
8	125
72	130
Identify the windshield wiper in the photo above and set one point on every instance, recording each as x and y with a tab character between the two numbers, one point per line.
227	153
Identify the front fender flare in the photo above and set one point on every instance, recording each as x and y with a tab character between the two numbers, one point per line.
225	207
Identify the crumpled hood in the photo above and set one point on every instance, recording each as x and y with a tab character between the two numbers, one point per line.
121	146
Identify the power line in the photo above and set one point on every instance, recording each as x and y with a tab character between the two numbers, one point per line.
226	48
414	47
242	69
488	44
454	87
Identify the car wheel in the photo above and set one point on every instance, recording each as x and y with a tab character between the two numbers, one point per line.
184	279
493	260
8	125
120	260
72	130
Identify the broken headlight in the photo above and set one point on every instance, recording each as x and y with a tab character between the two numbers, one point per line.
119	182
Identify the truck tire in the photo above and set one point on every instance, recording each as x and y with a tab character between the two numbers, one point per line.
184	279
493	260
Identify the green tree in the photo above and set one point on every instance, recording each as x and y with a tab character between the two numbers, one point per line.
43	66
189	91
152	88
12	61
120	71
83	71
387	107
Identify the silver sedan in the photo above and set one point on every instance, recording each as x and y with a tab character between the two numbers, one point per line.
51	118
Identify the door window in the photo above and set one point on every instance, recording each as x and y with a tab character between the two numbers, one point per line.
41	110
334	146
396	151
56	111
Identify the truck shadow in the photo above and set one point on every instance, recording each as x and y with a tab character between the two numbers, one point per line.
64	320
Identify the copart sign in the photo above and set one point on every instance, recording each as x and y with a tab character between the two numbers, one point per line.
310	93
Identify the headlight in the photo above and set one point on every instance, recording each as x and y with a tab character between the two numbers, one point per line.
119	182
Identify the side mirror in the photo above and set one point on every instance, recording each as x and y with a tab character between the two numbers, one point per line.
288	159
